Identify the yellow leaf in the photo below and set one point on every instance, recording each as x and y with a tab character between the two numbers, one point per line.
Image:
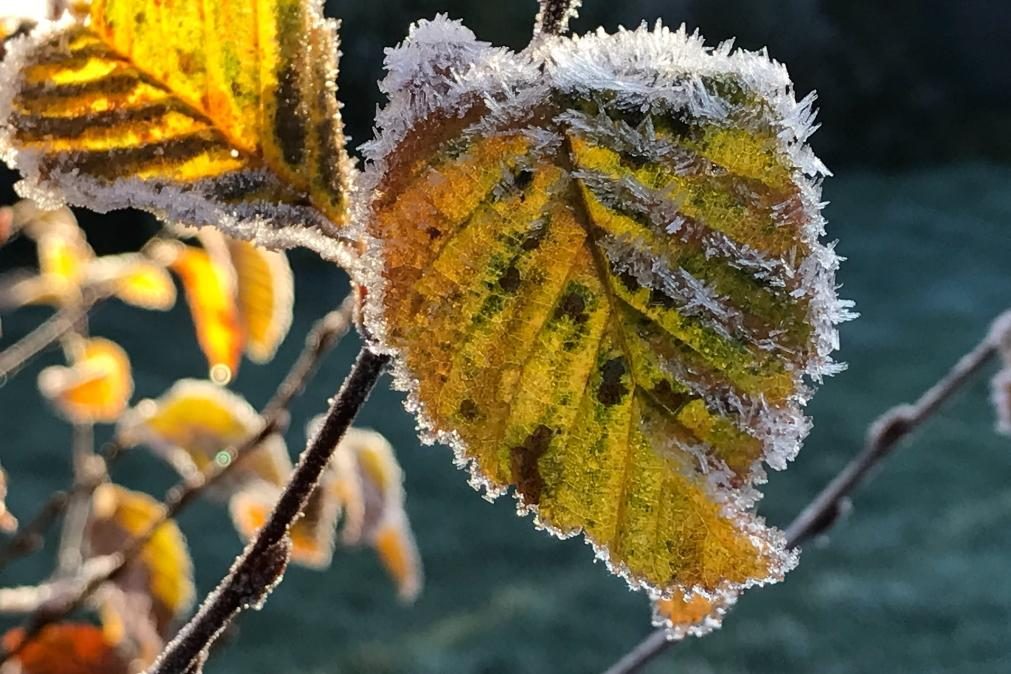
220	113
265	293
210	293
95	388
695	615
192	424
134	279
603	282
163	570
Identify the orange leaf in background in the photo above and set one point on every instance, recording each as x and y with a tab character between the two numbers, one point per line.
95	388
66	648
210	293
264	289
163	571
312	534
365	483
695	615
193	422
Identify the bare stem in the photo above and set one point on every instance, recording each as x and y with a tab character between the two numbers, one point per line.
883	436
553	19
17	355
69	558
262	564
322	337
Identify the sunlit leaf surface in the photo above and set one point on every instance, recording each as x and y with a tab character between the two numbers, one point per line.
220	113
192	425
599	265
66	648
163	571
96	387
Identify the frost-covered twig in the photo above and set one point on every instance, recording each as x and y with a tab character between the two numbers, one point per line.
553	19
322	337
883	437
261	566
17	355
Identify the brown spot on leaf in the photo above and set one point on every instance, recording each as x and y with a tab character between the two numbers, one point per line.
469	410
525	473
573	307
510	279
612	388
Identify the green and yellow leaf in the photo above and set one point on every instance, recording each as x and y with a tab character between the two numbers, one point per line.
220	113
598	264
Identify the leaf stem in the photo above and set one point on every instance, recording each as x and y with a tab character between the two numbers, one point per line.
883	436
262	564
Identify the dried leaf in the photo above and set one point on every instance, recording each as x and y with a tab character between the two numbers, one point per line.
95	388
65	648
598	262
192	424
163	571
218	114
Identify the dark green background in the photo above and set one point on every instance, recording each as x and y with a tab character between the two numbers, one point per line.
916	100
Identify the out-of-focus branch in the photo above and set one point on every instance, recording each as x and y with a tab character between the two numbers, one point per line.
261	566
322	337
883	436
17	355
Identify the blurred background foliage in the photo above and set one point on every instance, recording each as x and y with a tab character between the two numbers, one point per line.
915	98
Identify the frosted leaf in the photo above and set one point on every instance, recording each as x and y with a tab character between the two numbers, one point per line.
224	117
598	263
694	615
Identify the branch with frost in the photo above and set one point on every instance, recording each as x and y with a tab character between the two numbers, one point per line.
883	437
322	338
261	566
553	19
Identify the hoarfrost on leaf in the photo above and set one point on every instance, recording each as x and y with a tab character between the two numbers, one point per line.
599	265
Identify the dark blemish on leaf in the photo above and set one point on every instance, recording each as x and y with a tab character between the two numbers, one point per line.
535	236
469	410
662	299
289	127
612	389
433	233
126	160
523	179
139	17
630	282
573	307
510	279
76	126
525	473
116	83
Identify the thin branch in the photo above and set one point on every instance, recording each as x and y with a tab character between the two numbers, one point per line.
883	436
17	355
322	337
86	471
31	535
261	566
553	19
